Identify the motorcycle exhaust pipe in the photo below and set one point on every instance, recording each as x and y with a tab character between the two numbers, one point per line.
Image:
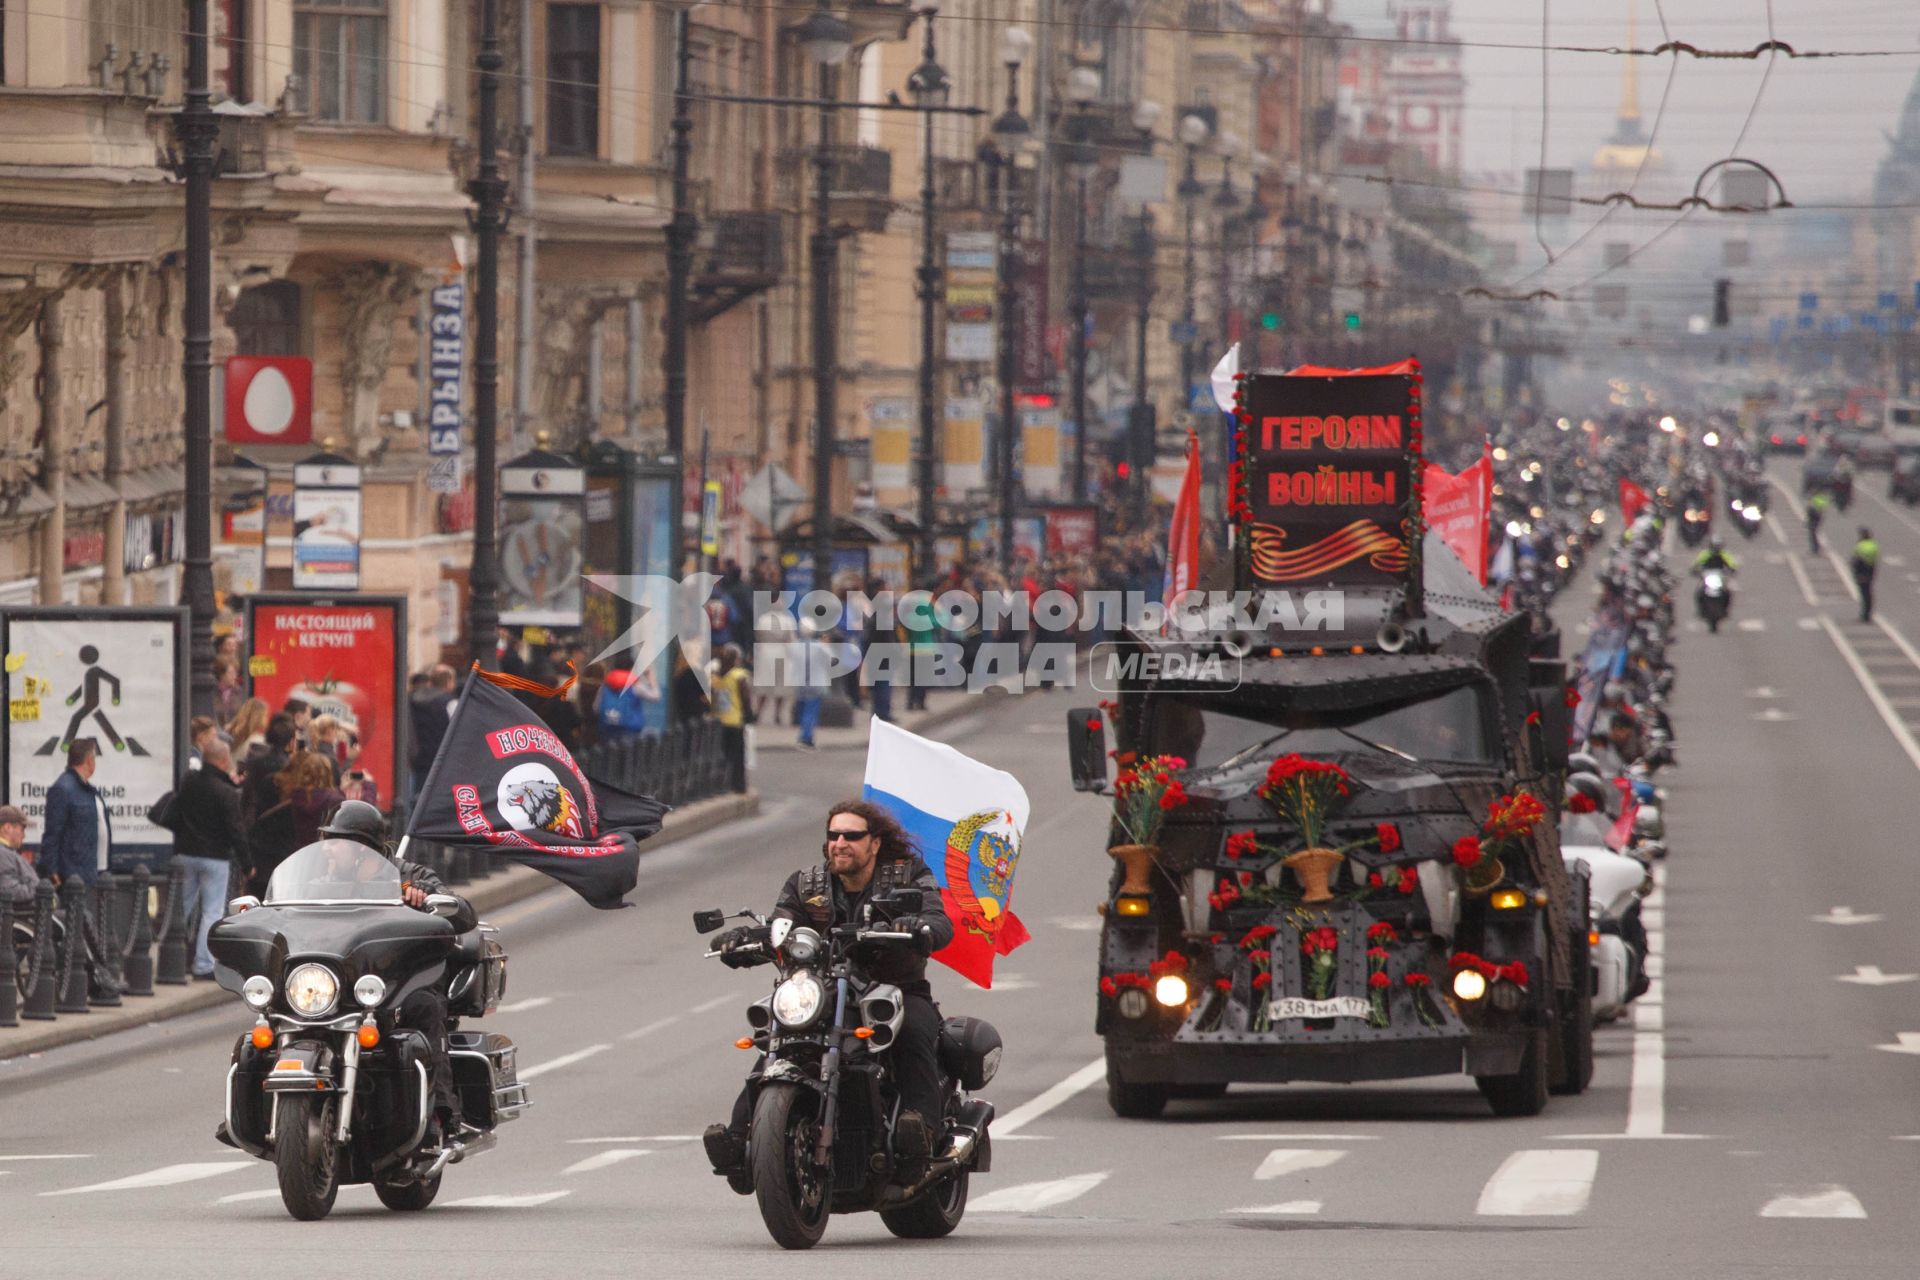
455	1152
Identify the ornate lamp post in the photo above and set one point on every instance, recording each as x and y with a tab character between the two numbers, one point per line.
1194	132
197	130
1083	87
489	192
1011	135
827	39
930	87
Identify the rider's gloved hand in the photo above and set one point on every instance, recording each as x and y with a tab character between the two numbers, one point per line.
922	933
731	946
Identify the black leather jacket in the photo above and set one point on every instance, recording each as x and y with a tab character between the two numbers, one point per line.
901	965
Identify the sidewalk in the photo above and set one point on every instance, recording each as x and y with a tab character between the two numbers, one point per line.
491	894
943	706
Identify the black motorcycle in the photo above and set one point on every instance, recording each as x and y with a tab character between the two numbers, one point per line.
824	1103
326	1085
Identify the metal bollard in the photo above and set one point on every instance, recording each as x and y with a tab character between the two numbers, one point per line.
73	947
138	956
104	991
171	968
9	975
40	963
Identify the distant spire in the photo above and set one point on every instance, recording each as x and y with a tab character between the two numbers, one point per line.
1627	127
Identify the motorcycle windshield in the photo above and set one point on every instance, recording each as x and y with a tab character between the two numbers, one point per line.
334	871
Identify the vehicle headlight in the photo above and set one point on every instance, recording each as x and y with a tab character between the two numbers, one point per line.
1132	1003
369	991
1469	984
258	991
802	945
1170	990
312	990
798	1000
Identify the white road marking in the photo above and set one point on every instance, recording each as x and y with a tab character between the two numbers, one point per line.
1908	1042
1764	691
58	1156
1297	1137
165	1176
273	1193
1004	982
651	1027
1829	1202
1845	915
1290	1207
665	1137
564	1060
1647	1090
604	1160
1285	1160
1774	715
1869	975
1035	1107
1076	924
1800	576
507	1202
521	1006
1894	724
1032	1197
1809	624
1540	1184
708	1006
1750	624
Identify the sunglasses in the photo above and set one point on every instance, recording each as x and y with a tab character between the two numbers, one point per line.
833	835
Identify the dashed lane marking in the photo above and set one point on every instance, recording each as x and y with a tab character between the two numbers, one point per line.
521	1006
605	1160
1894	724
1774	715
1750	624
1291	1207
1846	915
1869	975
507	1202
1906	1042
708	1006
1827	1202
1032	1197
651	1027
1285	1160
1076	924
1298	1137
564	1060
1032	1109
666	1137
165	1176
1540	1184
50	1156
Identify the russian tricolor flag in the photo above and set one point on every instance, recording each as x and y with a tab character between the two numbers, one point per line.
967	820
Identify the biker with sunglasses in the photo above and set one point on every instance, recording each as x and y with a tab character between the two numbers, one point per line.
867	854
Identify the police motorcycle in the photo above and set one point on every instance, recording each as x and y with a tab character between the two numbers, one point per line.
1714	597
326	1085
824	1104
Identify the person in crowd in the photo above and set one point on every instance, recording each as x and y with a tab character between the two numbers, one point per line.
78	836
875	672
1817	507
305	793
328	736
429	709
263	766
810	674
247	729
689	699
18	879
731	689
227	693
301	714
200	731
210	842
227	647
1865	563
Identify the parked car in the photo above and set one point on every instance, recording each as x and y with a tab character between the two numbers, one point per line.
1874	451
1830	473
1905	486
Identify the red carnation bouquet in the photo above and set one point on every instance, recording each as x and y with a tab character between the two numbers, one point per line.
1305	792
1145	792
1510	820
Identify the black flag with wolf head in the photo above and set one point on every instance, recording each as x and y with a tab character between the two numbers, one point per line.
504	782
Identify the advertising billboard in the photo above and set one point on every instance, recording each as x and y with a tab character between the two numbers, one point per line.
344	657
117	676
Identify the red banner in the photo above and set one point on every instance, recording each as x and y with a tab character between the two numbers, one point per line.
1633	500
1183	535
341	657
1457	508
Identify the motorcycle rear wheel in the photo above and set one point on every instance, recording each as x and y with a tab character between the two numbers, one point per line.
407	1196
304	1156
932	1216
792	1192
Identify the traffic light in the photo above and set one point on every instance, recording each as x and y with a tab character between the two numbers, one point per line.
1270	321
1722	308
1353	319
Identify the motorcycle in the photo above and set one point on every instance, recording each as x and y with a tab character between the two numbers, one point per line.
824	1105
333	1091
1747	517
1714	598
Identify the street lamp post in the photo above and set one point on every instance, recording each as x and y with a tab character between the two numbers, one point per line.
197	129
1083	86
681	231
929	87
1140	435
1193	133
1011	133
489	192
828	39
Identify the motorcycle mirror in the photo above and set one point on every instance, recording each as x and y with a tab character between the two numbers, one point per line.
708	921
1087	748
246	902
444	905
908	901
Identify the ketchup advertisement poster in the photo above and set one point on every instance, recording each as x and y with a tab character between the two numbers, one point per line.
342	657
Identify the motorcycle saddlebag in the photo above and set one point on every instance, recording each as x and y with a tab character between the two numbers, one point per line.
969	1051
477	987
486	1076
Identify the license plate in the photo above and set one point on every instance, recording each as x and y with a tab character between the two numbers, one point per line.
1338	1007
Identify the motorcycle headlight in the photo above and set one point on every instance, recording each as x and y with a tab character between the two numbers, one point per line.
797	1001
369	991
312	990
258	991
802	945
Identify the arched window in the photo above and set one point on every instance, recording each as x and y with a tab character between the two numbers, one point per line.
266	320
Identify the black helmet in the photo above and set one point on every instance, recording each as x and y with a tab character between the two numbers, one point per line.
358	820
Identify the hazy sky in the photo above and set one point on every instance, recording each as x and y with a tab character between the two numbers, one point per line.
1818	125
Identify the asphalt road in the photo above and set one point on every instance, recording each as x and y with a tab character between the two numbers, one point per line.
1748	1121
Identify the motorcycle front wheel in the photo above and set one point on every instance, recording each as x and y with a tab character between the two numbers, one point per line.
305	1157
792	1191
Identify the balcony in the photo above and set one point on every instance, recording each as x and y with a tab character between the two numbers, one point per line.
859	183
959	186
739	254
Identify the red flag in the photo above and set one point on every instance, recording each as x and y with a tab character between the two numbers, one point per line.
1183	535
1457	508
1633	500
